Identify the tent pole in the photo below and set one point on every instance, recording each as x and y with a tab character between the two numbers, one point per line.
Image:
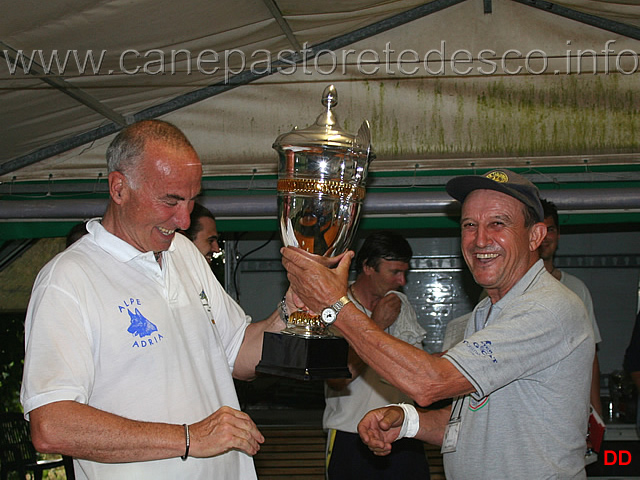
593	20
375	203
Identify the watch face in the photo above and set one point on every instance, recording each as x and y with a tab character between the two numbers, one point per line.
329	315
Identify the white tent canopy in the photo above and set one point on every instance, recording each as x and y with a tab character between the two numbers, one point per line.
444	83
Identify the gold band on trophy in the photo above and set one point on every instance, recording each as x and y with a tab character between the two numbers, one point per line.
306	320
307	186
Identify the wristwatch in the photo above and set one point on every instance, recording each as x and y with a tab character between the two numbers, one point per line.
330	313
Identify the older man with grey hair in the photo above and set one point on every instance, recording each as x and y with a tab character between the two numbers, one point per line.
520	377
131	343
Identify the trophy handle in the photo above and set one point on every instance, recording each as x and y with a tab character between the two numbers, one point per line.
363	138
363	142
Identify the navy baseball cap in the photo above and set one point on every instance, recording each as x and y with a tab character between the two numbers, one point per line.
500	180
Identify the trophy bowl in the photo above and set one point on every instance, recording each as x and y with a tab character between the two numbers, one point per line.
321	186
321	177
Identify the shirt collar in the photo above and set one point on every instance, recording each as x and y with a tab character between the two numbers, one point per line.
524	283
117	247
485	311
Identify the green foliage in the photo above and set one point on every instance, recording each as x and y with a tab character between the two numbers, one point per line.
11	360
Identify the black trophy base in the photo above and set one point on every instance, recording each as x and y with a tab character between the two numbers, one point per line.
304	358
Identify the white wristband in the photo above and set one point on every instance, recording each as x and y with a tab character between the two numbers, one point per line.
411	422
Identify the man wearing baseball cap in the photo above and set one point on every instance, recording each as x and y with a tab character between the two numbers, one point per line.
520	378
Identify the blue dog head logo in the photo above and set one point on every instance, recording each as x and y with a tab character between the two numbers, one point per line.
140	326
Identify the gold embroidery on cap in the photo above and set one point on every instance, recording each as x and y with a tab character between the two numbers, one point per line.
499	177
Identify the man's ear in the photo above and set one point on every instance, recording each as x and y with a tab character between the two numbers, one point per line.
366	268
536	235
117	186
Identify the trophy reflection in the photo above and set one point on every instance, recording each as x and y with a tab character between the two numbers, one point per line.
321	177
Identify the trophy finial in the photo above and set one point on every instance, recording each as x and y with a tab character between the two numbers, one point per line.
326	132
329	100
330	97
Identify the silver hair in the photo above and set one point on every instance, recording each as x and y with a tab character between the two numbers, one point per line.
127	148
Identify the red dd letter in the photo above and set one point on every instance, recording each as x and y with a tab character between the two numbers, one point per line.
621	452
606	457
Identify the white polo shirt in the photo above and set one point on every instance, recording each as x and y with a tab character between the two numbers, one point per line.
107	327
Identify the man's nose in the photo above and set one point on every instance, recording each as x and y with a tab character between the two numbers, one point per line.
482	237
182	217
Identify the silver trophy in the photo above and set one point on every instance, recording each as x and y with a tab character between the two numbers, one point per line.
321	186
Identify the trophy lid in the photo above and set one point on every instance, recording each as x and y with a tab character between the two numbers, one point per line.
325	132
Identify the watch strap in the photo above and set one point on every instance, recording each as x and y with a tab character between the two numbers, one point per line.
341	303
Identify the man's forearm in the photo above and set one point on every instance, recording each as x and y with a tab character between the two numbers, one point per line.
81	431
595	385
251	350
425	378
432	425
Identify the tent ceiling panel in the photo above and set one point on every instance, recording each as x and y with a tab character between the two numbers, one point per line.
114	24
420	118
88	28
315	23
624	12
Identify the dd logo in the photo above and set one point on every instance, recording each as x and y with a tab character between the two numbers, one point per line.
621	457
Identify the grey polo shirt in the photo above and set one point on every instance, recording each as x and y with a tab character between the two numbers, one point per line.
529	358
